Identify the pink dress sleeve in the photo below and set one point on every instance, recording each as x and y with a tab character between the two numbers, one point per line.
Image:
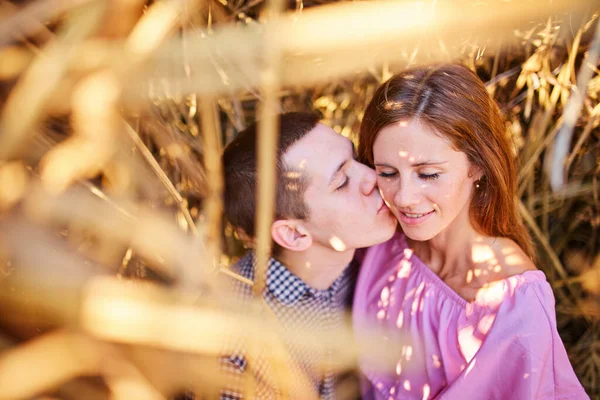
522	355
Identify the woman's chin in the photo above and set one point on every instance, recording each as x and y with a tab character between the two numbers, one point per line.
417	234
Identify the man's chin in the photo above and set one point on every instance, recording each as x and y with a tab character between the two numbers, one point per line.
382	234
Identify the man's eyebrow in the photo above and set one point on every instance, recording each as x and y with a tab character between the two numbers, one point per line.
339	168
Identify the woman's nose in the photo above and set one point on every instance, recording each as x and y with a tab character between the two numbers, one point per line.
407	195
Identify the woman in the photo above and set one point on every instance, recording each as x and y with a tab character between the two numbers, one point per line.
457	290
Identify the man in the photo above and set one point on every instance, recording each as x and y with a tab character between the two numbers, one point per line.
327	206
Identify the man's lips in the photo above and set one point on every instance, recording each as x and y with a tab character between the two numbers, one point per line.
381	206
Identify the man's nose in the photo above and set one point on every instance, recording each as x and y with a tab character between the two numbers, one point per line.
368	180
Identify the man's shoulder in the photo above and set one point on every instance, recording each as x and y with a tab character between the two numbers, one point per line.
245	265
244	268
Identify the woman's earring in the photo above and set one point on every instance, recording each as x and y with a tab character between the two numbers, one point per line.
477	183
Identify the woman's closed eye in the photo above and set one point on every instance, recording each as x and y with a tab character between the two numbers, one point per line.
387	174
429	176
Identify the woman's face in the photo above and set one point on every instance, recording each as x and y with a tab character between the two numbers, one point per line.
423	180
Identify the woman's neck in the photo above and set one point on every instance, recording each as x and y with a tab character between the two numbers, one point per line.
450	252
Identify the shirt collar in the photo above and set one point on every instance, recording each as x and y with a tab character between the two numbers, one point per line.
286	287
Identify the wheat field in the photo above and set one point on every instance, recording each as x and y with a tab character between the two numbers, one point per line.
113	115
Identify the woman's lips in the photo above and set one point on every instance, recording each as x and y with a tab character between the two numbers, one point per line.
414	218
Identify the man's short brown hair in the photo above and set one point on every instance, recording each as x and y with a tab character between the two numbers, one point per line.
240	159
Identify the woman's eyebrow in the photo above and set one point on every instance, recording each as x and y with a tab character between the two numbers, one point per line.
426	163
383	165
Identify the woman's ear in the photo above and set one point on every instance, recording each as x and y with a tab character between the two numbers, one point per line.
475	172
291	235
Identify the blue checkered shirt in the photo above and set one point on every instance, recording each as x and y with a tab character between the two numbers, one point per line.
294	302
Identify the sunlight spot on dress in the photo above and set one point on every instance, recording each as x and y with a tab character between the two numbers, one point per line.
379	385
485	324
399	368
414	306
525	376
337	244
381	314
408	353
400	320
385	296
492	294
407	385
426	391
404	270
436	361
408	253
410	293
471	366
468	344
417	299
392	390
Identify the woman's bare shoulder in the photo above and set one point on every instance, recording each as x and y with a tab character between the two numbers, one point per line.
510	258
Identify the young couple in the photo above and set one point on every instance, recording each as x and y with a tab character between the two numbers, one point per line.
455	286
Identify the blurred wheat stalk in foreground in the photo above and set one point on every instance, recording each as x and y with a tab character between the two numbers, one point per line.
112	118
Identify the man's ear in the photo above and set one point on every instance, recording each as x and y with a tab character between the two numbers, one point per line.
291	235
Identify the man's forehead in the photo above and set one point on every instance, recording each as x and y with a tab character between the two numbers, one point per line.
316	149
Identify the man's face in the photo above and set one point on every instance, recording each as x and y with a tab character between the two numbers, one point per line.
345	209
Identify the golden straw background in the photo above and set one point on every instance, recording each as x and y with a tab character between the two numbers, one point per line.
114	258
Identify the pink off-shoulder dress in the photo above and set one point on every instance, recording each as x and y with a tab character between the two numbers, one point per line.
503	345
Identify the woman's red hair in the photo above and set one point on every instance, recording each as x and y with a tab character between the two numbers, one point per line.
451	100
